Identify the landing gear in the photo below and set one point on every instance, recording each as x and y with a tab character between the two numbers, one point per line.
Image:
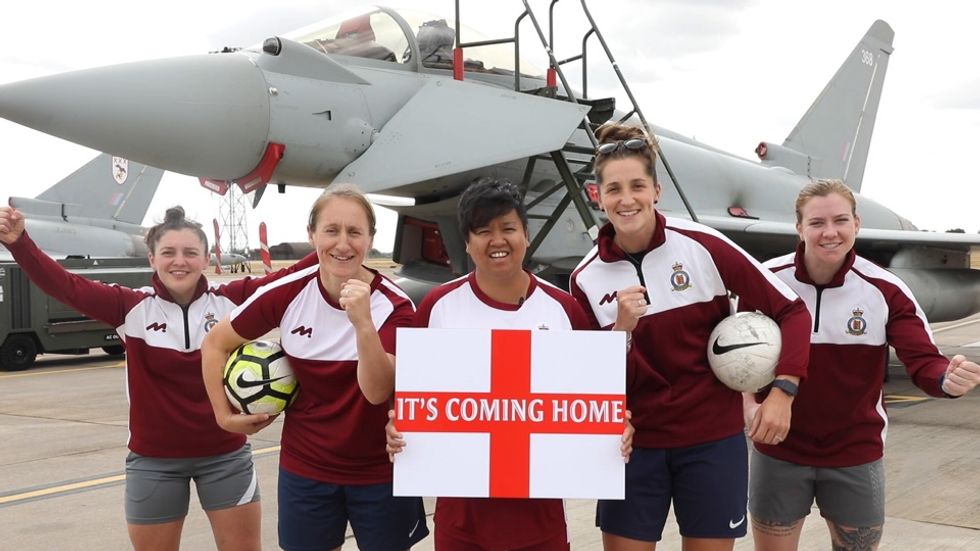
114	350
18	352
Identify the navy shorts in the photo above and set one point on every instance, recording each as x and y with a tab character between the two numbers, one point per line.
707	483
313	516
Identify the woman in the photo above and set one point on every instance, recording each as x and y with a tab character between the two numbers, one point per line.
337	322
666	282
500	294
834	452
173	435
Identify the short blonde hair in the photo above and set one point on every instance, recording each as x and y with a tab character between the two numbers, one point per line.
344	191
823	188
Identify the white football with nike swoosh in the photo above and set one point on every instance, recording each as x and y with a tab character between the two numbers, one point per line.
259	379
743	351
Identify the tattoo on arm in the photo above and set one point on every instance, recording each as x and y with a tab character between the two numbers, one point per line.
848	538
775	527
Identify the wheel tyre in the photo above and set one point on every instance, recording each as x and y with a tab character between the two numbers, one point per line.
114	350
17	353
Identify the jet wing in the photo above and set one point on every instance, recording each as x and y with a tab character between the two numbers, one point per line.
876	238
450	127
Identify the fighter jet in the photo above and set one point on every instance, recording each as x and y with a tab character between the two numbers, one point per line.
397	104
95	212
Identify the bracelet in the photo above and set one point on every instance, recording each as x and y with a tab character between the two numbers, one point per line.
942	381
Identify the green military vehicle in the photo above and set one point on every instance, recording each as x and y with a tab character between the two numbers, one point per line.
33	323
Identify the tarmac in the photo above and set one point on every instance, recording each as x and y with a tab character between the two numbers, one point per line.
63	426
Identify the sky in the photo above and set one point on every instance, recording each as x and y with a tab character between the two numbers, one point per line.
729	73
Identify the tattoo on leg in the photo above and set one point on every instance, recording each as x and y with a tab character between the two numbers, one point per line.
775	527
847	538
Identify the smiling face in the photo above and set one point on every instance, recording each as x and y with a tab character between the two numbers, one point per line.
627	195
828	227
341	237
179	260
498	248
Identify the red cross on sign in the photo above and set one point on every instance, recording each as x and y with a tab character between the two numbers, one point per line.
510	413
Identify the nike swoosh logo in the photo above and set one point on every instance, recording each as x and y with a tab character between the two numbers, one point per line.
414	528
718	349
243	383
734	525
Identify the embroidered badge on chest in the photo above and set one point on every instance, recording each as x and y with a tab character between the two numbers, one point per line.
680	280
856	324
209	322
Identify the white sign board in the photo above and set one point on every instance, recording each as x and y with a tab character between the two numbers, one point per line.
510	413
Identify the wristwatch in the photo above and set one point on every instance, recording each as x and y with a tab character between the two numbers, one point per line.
788	387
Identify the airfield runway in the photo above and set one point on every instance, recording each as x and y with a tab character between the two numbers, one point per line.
63	443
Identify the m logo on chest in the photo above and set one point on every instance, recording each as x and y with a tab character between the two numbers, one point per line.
161	327
303	331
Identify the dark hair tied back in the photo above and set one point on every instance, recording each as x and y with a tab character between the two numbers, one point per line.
618	132
174	219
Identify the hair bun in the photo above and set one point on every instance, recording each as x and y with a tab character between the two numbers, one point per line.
174	214
616	132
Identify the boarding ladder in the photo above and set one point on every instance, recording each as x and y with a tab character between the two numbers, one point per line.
572	181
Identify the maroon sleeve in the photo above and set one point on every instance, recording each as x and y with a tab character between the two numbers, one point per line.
907	331
402	316
105	302
263	312
577	317
239	290
759	289
424	310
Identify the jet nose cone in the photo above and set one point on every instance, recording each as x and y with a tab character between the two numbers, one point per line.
204	115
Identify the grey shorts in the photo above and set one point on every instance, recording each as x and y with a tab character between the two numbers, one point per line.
848	496
158	489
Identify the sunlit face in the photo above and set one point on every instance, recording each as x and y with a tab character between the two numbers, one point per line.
341	238
628	195
498	248
828	229
179	260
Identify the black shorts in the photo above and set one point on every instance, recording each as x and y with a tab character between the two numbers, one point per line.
707	484
313	515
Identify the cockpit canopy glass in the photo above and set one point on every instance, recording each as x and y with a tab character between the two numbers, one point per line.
371	34
375	34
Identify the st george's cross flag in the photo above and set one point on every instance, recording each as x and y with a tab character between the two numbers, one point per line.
510	413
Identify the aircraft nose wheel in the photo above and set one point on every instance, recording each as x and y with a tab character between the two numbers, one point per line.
17	353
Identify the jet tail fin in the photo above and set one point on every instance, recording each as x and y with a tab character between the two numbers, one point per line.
106	187
833	138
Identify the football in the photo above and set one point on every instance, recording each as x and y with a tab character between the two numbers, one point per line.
743	351
258	378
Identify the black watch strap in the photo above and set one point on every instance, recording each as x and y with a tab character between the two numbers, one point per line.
788	387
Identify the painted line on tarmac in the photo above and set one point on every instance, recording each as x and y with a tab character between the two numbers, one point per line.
899	401
956	326
71	370
83	485
62	489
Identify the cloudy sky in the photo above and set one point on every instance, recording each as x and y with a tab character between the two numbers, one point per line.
727	72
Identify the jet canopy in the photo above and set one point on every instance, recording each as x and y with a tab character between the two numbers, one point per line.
416	40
